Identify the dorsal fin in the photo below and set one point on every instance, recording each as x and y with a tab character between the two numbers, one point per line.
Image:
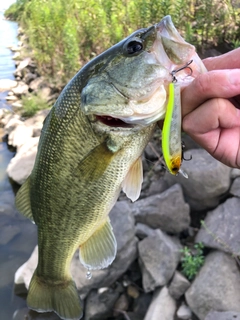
22	200
132	183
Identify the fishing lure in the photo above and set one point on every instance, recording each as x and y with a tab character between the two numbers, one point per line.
171	132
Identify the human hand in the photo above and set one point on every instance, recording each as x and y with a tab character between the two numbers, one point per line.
210	107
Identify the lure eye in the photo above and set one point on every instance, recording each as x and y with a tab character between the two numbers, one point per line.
133	47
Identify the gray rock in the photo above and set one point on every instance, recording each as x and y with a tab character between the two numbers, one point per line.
10	122
20	135
163	306
178	285
235	173
229	315
157	186
143	231
184	312
8	233
23	64
37	84
159	256
6	84
100	306
221	227
235	188
20	89
216	287
167	211
21	165
207	179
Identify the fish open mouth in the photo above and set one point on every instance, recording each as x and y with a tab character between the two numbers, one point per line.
113	122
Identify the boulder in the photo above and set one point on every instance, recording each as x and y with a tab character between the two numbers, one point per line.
163	306
178	285
143	231
22	164
216	287
20	89
208	179
167	211
6	84
20	135
221	227
159	256
228	315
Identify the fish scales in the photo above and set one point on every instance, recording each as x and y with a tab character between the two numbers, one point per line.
90	148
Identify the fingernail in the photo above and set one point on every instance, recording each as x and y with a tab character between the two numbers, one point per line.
234	76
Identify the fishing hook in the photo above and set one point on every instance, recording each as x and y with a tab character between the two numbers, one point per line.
183	158
186	66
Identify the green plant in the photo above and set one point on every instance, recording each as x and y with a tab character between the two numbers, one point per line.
32	104
192	260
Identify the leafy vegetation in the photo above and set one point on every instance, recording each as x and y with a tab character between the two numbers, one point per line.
66	34
32	104
192	260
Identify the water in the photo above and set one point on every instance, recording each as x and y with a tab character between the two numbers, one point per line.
17	235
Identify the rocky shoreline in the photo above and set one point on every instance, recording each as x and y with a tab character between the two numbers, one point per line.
146	280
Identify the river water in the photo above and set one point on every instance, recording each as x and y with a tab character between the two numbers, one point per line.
17	234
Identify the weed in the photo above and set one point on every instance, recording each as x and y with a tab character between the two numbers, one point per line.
192	260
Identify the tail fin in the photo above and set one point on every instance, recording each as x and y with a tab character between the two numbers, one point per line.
63	299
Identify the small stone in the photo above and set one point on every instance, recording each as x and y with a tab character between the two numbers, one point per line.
163	306
159	256
178	285
22	88
133	292
121	304
100	306
143	231
221	227
184	312
167	211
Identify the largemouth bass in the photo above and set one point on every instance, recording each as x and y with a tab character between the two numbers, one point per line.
90	148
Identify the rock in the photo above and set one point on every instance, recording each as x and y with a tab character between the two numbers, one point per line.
159	256
184	312
221	227
208	179
45	93
229	315
20	135
163	306
235	173
143	231
100	306
235	188
22	164
23	64
178	285
157	186
6	84
216	287
121	304
141	304
133	292
11	122
37	83
8	233
11	98
167	211
17	104
25	272
29	77
22	88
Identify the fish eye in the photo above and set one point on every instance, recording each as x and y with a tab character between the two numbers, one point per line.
133	47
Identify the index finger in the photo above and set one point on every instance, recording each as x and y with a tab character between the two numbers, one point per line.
213	84
228	60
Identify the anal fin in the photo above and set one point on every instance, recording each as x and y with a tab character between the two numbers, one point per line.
22	200
132	183
100	249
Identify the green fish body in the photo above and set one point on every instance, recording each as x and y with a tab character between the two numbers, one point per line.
90	148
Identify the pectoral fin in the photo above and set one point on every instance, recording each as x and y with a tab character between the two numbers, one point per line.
100	249
132	183
22	201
